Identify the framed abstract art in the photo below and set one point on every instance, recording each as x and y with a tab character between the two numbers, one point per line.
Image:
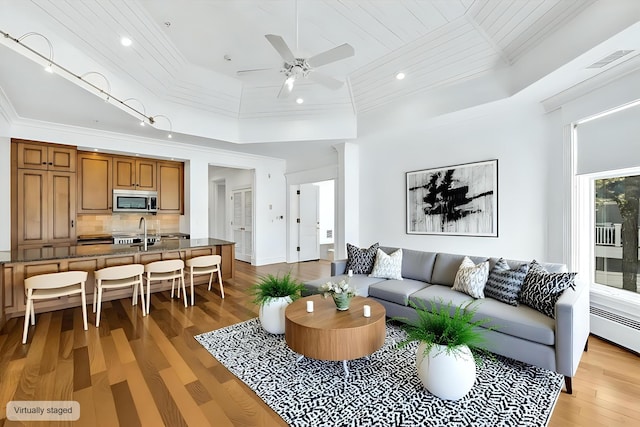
457	200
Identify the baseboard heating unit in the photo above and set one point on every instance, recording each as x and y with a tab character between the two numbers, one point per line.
615	327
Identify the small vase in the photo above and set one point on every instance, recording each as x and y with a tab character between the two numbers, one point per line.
342	301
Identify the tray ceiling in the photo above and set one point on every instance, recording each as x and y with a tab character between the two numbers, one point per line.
185	54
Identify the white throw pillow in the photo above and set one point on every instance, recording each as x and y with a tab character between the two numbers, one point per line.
471	278
388	266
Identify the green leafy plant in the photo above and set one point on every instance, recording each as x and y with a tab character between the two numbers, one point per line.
270	287
438	326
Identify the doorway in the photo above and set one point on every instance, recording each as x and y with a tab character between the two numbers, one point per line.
311	221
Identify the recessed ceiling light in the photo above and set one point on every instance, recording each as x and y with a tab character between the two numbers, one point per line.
95	149
299	100
126	41
400	76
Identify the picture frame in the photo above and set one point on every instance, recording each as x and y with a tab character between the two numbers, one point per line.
459	200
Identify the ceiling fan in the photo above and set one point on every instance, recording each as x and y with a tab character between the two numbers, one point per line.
297	68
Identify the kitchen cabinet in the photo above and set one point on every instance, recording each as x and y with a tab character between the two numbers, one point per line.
170	187
94	183
134	174
41	156
46	207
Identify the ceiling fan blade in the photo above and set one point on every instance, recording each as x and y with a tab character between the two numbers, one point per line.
281	46
255	71
325	80
286	88
337	53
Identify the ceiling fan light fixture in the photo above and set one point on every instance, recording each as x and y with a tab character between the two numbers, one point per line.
289	82
400	76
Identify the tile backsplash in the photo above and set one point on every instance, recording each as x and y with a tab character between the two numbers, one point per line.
126	223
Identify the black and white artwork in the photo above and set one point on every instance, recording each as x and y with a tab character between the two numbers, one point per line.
457	200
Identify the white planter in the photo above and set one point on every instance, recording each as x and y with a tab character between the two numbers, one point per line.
272	315
447	376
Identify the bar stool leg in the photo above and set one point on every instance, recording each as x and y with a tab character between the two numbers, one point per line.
144	307
148	292
33	314
26	321
184	289
83	296
220	283
193	299
99	307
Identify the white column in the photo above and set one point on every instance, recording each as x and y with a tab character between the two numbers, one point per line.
348	198
197	197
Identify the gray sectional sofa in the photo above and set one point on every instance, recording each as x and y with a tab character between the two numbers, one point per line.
521	333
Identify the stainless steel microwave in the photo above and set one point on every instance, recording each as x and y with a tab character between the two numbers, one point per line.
135	201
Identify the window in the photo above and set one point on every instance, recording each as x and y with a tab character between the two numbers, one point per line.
617	210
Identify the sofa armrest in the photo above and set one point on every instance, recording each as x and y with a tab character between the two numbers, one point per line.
338	266
572	327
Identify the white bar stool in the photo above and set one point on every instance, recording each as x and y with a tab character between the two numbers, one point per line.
207	264
53	285
117	277
165	270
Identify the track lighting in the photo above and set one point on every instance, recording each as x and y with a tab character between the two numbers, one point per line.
152	120
48	68
106	91
90	73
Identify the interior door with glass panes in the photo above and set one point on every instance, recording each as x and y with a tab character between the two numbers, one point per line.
242	224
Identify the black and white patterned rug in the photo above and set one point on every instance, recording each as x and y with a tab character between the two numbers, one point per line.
382	391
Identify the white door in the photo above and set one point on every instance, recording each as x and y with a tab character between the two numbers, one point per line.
309	223
242	224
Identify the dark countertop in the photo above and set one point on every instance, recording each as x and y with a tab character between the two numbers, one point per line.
42	254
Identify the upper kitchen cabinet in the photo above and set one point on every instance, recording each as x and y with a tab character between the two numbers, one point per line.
94	183
170	187
134	174
41	156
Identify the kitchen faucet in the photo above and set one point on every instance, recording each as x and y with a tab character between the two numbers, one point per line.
143	221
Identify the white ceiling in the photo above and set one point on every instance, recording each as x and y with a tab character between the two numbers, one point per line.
177	67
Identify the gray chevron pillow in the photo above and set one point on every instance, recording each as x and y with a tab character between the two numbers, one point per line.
504	284
541	289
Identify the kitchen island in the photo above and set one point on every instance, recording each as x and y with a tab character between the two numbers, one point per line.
19	265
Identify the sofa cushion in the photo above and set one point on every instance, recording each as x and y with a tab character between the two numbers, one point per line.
387	266
396	291
359	282
439	294
471	278
360	261
446	267
504	283
416	265
522	322
542	289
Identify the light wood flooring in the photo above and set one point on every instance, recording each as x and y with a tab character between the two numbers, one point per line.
150	371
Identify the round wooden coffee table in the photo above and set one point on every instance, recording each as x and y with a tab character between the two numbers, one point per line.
330	334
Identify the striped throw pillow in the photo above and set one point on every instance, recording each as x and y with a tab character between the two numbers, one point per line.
505	284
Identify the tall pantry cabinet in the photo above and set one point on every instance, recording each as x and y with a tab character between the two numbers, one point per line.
43	194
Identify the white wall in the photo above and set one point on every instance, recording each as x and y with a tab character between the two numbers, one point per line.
269	181
517	136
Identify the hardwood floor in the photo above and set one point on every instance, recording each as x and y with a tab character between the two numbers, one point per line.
150	371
